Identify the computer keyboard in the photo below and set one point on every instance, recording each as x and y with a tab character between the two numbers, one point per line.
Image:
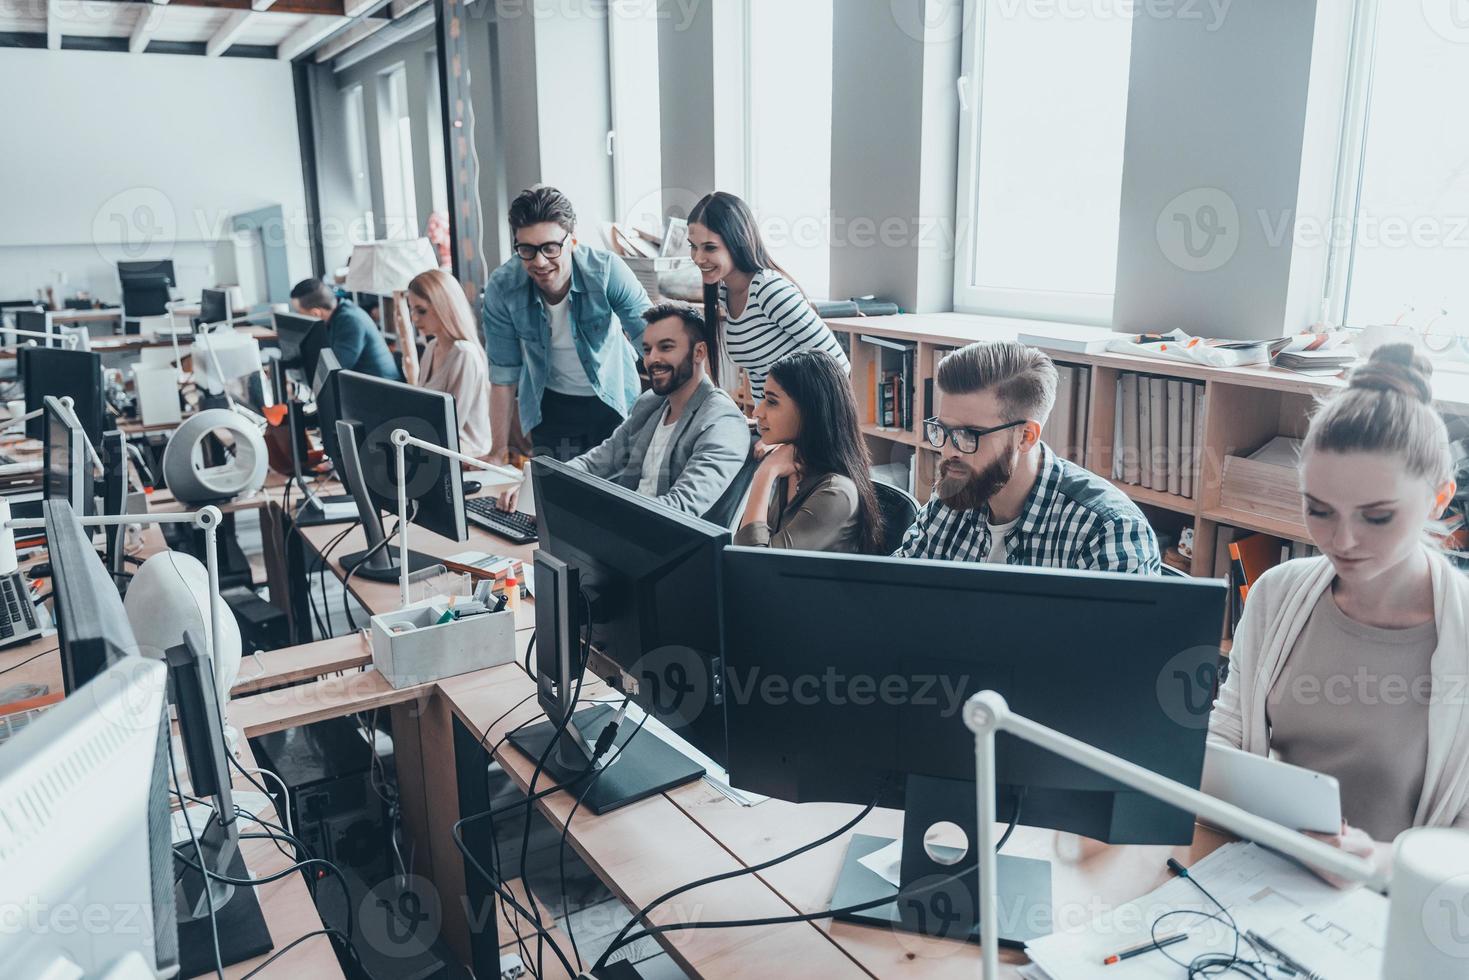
6	459
510	524
17	613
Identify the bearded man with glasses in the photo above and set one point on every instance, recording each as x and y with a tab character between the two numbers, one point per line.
558	364
1004	497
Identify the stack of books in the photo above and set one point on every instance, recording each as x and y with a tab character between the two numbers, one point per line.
890	374
1266	482
1157	433
1066	430
1243	556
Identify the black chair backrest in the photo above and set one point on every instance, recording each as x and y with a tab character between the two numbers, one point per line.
727	507
898	509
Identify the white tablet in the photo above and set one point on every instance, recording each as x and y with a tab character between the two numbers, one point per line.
1289	795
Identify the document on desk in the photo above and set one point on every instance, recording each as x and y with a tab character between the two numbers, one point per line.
1337	934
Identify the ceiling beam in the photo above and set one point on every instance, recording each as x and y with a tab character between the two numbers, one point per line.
354	8
309	7
53	25
149	17
259	5
308	36
358	31
227	33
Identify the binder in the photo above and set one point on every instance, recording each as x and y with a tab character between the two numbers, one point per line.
1173	459
1081	406
1186	439
1117	428
1145	431
1131	430
1158	395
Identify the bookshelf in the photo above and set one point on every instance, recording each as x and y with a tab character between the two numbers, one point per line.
1243	408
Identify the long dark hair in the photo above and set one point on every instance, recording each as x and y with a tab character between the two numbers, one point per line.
829	440
732	220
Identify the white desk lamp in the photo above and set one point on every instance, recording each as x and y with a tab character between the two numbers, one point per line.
401	441
385	268
1411	950
69	339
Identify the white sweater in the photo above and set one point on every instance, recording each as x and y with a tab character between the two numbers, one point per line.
1279	605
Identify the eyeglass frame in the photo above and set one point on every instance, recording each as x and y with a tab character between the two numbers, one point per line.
948	433
540	249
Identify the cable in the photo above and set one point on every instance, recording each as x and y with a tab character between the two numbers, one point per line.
198	852
284	872
1211	964
28	660
327	931
321	563
285	810
387	539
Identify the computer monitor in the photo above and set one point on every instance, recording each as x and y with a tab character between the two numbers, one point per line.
37	321
642	580
68	467
85	830
302	339
845	679
91	623
114	497
370	410
324	394
52	371
214	306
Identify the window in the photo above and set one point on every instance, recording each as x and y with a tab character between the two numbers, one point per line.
1402	248
400	211
438	171
637	167
356	131
1043	121
789	134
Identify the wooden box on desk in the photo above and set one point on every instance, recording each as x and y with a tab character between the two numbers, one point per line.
1255	487
410	646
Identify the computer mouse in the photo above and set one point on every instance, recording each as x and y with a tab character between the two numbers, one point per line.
41	569
471	487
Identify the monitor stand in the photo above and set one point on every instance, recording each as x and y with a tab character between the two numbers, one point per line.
239	922
644	768
950	910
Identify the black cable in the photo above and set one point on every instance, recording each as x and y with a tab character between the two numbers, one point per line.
323	558
1211	964
27	660
387	539
327	931
199	852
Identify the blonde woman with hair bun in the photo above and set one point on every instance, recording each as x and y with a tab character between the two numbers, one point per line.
453	362
1355	663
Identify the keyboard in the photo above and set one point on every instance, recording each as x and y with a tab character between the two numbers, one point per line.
6	459
18	621
510	524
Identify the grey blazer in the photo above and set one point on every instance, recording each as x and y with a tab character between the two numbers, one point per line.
710	442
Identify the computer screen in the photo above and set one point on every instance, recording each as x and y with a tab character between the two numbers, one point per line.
52	371
68	470
214	306
302	340
91	622
324	393
37	321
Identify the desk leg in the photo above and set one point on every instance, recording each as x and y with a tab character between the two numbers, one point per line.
297	553
277	576
482	925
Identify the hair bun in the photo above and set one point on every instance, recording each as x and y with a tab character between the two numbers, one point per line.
1399	368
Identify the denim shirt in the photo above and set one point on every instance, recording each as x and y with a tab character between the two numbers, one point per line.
518	331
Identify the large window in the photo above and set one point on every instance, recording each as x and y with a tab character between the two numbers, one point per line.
356	131
1044	115
400	209
789	134
1402	248
635	141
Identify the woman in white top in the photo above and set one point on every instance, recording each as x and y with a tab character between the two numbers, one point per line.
1353	663
454	361
765	314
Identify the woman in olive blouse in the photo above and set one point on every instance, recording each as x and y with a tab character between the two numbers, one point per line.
812	490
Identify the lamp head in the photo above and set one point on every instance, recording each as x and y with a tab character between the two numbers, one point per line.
399	437
986	712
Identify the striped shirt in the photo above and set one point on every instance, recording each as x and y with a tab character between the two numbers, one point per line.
776	320
1072	519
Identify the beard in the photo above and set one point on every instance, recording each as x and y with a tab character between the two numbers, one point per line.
671	381
961	488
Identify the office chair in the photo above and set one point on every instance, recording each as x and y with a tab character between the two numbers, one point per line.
727	508
1170	570
898	509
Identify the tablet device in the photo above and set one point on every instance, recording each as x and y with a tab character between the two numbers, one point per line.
1289	795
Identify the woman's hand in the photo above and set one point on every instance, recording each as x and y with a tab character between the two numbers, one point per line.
1353	841
777	461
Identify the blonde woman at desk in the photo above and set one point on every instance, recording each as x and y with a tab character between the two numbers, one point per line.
812	489
1354	663
454	362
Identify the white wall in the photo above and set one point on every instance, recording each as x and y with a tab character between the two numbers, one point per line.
120	156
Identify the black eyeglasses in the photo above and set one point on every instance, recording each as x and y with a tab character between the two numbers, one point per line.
965	438
550	250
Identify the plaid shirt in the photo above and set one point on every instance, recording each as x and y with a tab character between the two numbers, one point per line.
1072	519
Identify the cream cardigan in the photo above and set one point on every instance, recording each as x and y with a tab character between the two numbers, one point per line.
1279	605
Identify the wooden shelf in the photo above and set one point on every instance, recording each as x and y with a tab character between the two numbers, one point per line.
1293	530
890	434
1157	498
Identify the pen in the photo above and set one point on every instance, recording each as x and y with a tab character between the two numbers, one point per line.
1144	947
1299	968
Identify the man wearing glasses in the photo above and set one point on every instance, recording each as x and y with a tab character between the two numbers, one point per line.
549	333
1003	496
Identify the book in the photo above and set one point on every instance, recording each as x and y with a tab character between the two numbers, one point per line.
1158	416
1068	337
1175	436
1081	409
1186	439
1196	468
1117	431
1057	431
1131	430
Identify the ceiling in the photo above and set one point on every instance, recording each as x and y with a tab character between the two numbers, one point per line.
285	29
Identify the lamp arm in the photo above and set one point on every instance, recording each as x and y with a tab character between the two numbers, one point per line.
68	339
986	713
401	440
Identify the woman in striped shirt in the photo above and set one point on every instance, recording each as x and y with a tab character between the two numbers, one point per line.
763	315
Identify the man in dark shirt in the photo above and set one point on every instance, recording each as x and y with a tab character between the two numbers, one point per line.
353	337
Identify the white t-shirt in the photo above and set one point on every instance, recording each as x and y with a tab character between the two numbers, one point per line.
999	550
565	373
657	453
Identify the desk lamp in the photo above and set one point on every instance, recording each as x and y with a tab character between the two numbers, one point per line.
385	268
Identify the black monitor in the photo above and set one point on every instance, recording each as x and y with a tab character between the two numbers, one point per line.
302	339
68	467
53	371
114	496
214	306
324	394
37	321
642	581
845	679
91	623
370	410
